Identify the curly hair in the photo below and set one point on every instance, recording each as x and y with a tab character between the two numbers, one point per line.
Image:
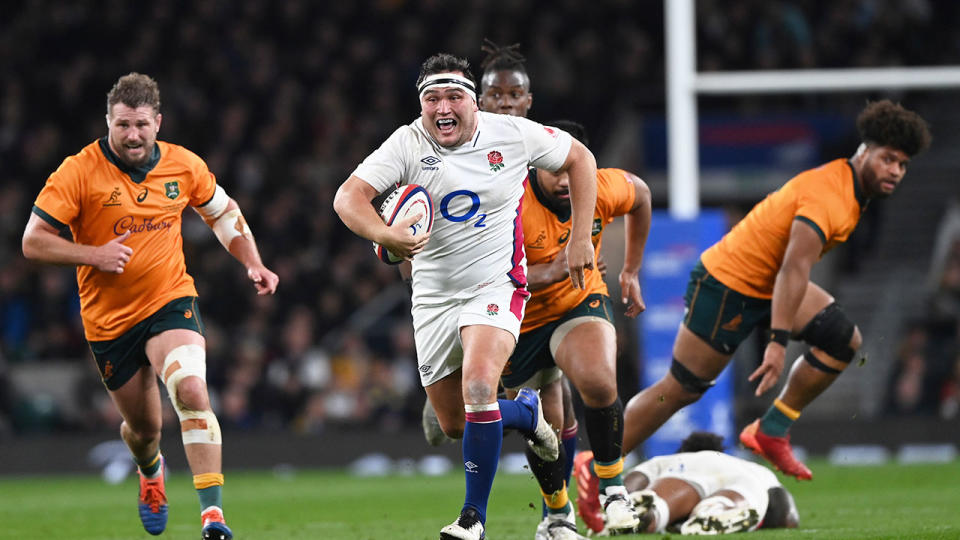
444	62
506	58
134	90
889	124
701	440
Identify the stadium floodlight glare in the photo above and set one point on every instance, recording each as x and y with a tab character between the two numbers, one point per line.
684	83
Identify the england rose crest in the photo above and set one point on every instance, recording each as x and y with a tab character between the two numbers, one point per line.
496	160
493	309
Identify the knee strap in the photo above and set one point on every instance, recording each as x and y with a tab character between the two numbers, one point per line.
831	331
816	363
196	427
690	382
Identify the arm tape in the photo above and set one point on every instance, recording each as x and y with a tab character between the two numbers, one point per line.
217	204
229	226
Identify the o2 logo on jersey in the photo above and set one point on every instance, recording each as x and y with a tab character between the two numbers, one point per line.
466	216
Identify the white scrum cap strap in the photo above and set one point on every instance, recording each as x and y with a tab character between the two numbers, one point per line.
447	80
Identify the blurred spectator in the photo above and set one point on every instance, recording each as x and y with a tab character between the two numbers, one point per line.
283	102
906	392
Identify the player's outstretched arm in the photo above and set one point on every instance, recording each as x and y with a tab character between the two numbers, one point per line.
222	214
582	168
352	204
803	251
42	242
636	231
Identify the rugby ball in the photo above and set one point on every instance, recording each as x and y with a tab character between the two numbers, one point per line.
404	201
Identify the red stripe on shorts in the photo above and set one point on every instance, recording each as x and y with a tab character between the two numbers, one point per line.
516	302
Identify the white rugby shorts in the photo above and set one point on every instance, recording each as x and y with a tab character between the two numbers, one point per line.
436	327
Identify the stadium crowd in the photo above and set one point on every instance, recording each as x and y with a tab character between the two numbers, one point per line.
282	101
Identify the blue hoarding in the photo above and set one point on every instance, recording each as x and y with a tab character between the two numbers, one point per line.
672	249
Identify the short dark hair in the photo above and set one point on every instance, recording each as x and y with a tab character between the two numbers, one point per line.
506	58
701	440
134	90
889	124
442	63
575	129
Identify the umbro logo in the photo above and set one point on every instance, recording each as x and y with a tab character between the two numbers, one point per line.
430	163
471	467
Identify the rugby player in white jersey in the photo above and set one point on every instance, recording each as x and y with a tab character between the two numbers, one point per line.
700	490
469	273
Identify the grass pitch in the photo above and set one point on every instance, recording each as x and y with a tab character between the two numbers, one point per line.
892	501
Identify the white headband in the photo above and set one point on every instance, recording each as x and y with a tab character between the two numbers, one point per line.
447	80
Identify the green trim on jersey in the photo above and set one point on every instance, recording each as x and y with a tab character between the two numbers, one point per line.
137	174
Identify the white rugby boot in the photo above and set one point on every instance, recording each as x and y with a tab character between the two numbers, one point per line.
558	527
719	515
466	527
542	440
619	514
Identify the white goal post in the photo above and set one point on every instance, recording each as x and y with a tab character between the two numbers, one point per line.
684	84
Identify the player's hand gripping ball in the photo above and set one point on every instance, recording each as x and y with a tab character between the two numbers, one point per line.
404	201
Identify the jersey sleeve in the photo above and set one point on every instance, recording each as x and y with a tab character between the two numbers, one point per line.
816	206
204	184
547	147
652	469
59	201
386	166
615	192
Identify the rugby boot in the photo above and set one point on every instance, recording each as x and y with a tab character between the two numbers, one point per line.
152	502
214	527
542	439
466	527
776	450
588	491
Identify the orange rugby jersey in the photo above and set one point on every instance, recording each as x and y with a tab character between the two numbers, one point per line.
96	195
545	235
828	198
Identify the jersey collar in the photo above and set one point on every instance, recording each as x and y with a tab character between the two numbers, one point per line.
858	188
137	174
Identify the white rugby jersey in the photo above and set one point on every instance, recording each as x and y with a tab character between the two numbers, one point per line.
477	189
712	470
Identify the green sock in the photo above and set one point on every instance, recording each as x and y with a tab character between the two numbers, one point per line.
210	496
151	468
613	480
775	423
564	510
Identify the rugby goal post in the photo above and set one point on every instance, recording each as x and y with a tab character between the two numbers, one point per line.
684	84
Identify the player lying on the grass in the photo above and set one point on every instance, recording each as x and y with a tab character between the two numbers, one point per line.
469	272
760	271
701	490
122	199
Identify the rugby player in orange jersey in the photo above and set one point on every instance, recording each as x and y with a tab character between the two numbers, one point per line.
122	199
760	271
